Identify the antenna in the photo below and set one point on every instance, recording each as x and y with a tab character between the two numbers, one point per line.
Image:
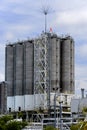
46	10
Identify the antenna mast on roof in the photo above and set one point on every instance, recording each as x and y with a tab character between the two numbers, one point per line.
45	10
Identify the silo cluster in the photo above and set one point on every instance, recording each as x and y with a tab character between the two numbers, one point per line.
60	62
19	68
37	67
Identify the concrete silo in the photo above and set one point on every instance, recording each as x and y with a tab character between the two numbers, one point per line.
9	74
18	69
72	88
67	65
55	63
28	67
19	74
3	97
58	62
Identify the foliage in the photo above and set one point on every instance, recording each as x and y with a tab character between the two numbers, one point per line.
85	127
75	127
84	110
50	128
6	118
20	114
80	126
7	123
15	125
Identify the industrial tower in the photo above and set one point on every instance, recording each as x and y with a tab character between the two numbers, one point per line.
53	66
36	69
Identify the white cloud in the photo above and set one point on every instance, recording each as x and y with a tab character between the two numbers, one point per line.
2	49
17	31
80	72
9	35
21	28
73	17
72	21
80	78
1	77
82	50
80	84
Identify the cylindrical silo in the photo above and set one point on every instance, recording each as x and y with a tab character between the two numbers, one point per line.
28	67
9	69
53	63
65	65
72	84
58	63
19	69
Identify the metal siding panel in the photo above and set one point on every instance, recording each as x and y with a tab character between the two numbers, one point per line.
19	102
29	102
10	103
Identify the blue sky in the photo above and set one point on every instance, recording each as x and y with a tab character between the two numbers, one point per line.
22	19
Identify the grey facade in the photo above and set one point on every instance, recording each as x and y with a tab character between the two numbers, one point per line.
62	64
58	74
3	97
45	63
19	68
67	65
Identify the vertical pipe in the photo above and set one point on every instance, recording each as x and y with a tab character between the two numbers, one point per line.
45	22
55	110
49	65
60	114
5	63
72	67
58	63
82	92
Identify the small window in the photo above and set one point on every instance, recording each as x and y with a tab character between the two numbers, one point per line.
19	108
9	109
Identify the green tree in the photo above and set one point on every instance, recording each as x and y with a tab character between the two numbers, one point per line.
80	126
7	123
85	127
50	128
13	125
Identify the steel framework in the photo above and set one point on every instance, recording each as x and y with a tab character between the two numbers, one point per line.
41	68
